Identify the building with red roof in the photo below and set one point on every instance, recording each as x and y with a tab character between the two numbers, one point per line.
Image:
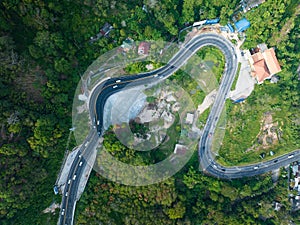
143	48
264	64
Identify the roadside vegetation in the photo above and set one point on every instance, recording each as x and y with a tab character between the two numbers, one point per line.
202	118
245	125
262	124
138	67
45	47
213	59
193	89
236	77
187	198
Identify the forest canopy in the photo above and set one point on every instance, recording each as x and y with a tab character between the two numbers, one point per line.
45	47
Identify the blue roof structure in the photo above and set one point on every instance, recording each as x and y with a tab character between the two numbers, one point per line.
225	28
213	21
230	27
239	100
242	25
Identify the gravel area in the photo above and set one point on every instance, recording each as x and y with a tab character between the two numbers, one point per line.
245	83
208	100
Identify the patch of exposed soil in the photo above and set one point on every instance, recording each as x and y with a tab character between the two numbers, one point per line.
269	135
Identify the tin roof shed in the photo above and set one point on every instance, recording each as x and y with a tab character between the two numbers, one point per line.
242	25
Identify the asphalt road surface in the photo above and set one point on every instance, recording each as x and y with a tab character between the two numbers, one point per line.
102	92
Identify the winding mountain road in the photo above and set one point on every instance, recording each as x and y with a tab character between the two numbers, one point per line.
107	88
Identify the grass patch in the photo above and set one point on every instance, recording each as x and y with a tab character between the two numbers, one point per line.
241	131
203	118
236	77
243	128
214	56
189	85
233	41
139	67
219	133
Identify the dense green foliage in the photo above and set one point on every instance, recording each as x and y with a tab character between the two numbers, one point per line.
281	100
188	198
45	47
214	60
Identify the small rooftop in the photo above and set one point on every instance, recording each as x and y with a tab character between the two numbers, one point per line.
127	44
242	25
189	118
106	29
180	149
249	4
263	47
143	48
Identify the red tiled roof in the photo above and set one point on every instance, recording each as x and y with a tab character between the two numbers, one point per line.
257	56
265	65
271	61
143	48
261	70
